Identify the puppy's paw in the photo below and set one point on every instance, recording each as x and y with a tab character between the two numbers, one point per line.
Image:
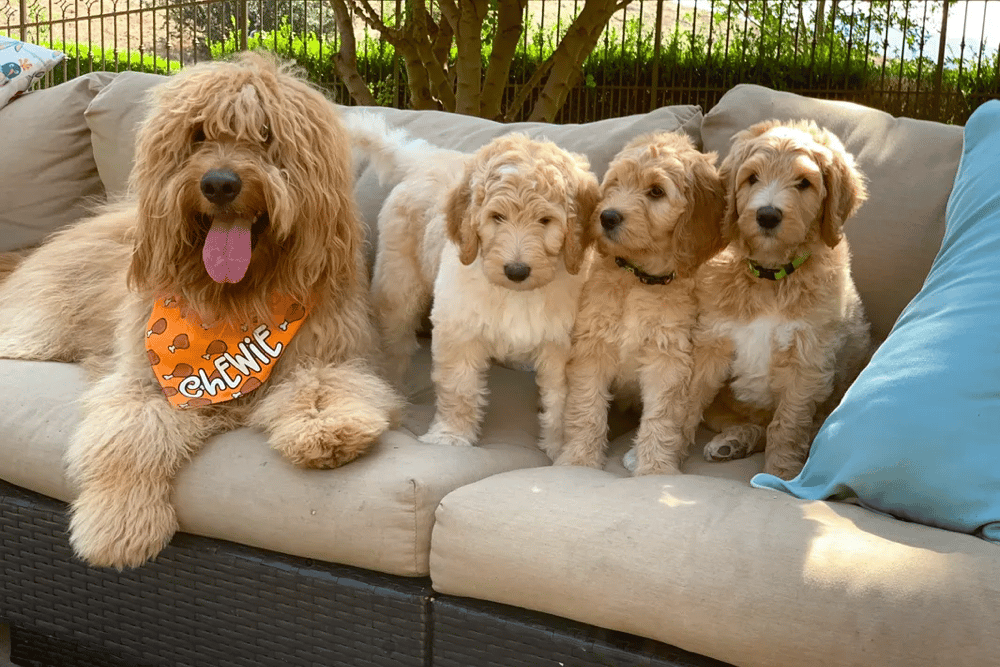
439	437
723	448
570	457
551	445
120	528
329	440
656	468
631	460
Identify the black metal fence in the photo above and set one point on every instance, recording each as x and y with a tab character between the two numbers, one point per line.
934	60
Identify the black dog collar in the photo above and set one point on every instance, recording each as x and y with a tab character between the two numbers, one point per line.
644	278
780	272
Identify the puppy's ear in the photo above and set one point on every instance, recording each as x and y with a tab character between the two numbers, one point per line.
845	190
579	231
458	216
728	171
698	235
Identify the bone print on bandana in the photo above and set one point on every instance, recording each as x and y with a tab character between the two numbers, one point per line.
200	364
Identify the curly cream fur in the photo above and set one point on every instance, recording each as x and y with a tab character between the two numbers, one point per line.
633	337
450	233
88	293
781	352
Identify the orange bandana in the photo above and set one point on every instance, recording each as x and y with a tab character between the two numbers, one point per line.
200	364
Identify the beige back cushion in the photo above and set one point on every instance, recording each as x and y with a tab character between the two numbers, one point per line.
599	141
113	118
48	175
910	166
115	114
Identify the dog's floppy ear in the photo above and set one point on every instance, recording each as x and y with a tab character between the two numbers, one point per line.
579	231
845	189
738	153
458	217
698	235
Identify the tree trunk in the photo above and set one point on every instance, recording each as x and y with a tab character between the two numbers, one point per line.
346	60
510	25
469	47
580	40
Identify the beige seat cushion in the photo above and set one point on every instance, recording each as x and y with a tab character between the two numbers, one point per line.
910	165
375	513
47	168
751	577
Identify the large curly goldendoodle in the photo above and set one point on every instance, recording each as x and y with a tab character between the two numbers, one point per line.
239	229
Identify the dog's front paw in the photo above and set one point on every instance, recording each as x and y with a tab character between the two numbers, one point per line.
120	528
571	457
329	441
551	445
439	437
656	468
723	448
631	460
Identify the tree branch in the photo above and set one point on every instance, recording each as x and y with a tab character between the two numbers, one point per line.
567	59
510	25
345	61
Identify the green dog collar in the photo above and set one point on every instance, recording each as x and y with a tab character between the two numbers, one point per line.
778	273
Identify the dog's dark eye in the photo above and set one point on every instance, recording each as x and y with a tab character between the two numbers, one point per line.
804	184
752	179
656	192
265	133
198	136
546	220
497	217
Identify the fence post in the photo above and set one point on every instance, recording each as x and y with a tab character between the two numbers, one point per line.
657	45
939	74
24	20
244	23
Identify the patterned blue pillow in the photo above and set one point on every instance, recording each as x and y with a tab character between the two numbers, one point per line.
918	434
21	64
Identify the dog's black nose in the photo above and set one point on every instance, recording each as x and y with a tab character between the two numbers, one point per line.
610	218
768	217
517	271
221	186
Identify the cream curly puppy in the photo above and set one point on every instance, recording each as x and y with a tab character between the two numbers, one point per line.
782	331
227	289
494	241
656	223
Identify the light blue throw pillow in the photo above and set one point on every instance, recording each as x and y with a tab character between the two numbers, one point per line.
917	436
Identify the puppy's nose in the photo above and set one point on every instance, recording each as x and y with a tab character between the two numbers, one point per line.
517	271
221	186
610	218
768	217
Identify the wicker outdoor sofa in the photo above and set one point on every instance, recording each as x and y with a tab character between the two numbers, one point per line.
418	555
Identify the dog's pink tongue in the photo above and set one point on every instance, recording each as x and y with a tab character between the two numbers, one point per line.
227	250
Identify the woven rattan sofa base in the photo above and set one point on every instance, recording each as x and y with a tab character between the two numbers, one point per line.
473	633
203	602
207	602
